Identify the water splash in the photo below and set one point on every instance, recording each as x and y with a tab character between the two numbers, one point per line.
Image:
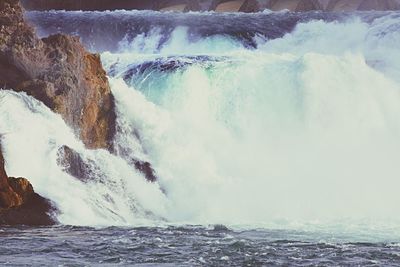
304	129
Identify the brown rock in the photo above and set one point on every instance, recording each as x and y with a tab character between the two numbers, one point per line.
36	211
19	204
8	198
59	72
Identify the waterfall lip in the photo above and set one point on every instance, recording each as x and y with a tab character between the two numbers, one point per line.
166	64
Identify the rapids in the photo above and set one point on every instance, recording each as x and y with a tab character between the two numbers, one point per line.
277	120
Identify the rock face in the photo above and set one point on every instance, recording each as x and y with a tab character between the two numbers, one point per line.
59	72
84	169
19	204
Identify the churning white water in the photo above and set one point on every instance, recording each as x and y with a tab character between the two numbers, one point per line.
305	128
32	136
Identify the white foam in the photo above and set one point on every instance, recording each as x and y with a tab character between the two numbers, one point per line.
32	135
302	131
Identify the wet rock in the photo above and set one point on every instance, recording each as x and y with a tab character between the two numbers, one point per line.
85	169
59	72
73	164
8	197
145	168
19	204
35	211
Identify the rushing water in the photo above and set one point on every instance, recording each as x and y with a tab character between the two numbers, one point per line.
188	246
258	121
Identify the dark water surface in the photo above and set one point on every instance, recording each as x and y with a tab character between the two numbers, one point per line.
186	246
102	31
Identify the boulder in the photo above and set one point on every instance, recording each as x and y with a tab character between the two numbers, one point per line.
8	197
19	204
58	71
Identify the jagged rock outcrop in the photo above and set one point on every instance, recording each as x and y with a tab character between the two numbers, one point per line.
59	72
19	204
73	164
86	169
